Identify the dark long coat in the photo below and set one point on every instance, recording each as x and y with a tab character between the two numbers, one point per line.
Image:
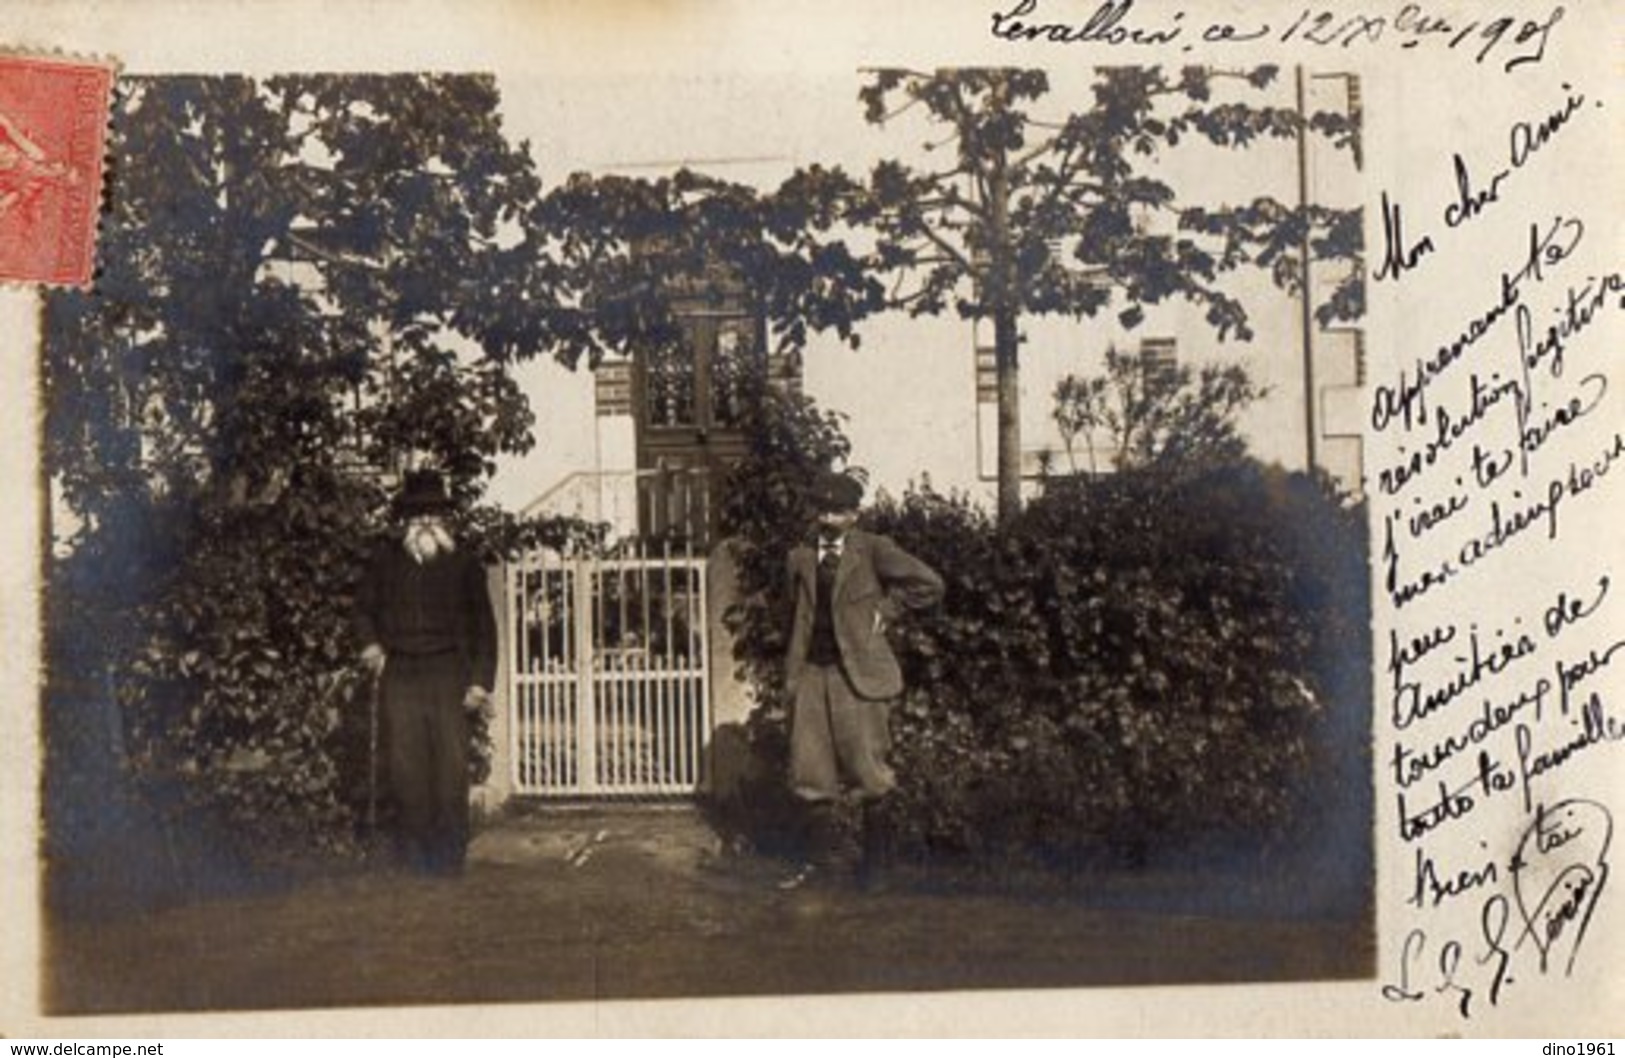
434	622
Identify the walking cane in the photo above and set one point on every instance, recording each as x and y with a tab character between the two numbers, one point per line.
375	690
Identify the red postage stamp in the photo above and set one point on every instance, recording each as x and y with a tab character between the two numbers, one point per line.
53	135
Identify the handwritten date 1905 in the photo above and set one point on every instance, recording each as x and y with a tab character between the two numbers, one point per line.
1511	39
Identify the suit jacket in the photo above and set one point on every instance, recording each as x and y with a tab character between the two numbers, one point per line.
874	582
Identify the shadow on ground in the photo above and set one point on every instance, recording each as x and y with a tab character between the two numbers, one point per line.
572	905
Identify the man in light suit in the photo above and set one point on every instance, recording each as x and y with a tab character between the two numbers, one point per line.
840	670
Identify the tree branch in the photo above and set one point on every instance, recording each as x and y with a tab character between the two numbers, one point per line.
948	248
326	255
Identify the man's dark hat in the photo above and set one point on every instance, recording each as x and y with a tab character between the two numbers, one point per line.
833	491
423	492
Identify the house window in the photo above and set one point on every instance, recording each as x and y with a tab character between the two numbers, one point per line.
735	358
987	375
689	405
1160	357
1340	357
669	397
612	389
701	382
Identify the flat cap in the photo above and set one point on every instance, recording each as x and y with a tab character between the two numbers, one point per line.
834	491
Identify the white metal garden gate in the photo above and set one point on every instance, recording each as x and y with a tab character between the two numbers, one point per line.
608	679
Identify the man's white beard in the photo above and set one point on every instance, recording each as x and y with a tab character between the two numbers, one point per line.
426	542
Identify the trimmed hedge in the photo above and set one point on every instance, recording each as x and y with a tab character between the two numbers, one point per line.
1131	667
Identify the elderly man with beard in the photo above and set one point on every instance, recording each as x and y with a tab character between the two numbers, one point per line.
424	615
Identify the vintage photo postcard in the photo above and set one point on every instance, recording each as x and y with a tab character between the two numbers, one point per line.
1019	517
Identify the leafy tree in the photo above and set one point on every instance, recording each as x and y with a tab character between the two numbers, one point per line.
305	279
295	272
1062	215
1155	416
789	441
622	249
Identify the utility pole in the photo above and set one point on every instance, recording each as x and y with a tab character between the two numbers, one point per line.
1307	312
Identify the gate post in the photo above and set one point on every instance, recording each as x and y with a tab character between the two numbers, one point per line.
499	785
586	695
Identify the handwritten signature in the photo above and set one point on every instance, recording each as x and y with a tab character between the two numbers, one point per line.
1559	872
1558	875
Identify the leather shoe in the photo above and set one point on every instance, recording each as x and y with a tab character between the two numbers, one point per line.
805	875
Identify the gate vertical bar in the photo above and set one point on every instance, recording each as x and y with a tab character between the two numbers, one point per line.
623	691
553	581
527	720
552	667
586	744
514	582
680	682
659	662
570	720
670	666
702	672
547	704
651	680
696	733
686	680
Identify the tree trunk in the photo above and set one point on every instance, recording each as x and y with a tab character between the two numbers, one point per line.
1007	368
1006	337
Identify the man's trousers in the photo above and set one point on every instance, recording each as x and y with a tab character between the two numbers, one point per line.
836	735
